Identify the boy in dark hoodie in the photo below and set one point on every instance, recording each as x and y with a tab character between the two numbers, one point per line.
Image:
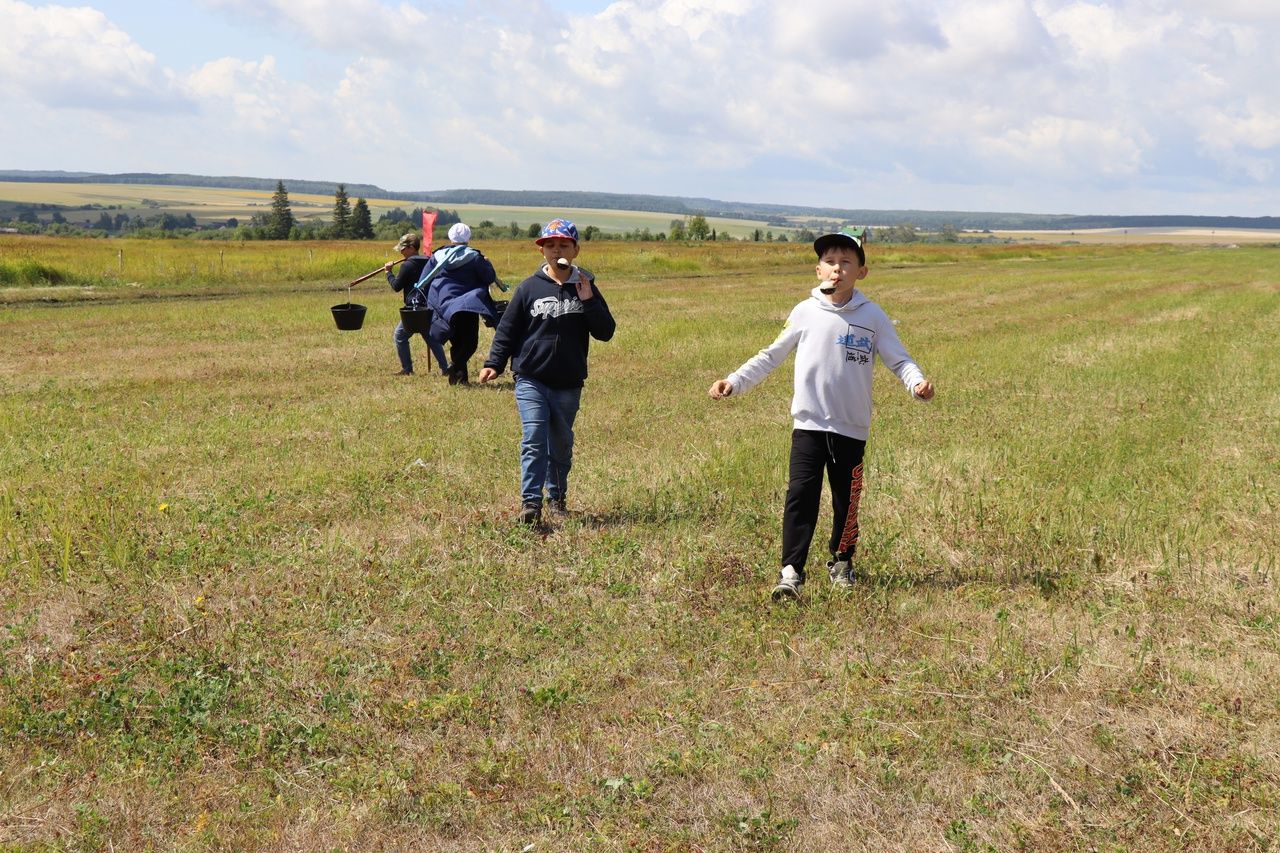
545	332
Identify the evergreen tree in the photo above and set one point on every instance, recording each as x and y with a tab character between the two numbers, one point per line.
341	213
361	221
279	221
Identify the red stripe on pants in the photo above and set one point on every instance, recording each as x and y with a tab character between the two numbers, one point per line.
849	536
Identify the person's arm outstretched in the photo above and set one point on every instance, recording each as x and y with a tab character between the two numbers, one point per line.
753	372
894	356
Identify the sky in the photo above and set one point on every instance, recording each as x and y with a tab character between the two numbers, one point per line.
1035	106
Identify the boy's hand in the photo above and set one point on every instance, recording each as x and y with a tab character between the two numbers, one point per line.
584	288
720	389
487	374
924	390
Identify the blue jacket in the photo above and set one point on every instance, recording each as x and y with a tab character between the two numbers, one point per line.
546	330
459	281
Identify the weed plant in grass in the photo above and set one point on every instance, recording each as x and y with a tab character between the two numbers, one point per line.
259	593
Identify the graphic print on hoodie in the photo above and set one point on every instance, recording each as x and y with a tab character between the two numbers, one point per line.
859	344
836	347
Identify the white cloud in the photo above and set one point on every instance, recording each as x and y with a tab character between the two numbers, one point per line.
1092	34
746	99
59	56
1060	148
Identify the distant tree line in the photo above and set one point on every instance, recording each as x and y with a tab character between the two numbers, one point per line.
774	215
348	222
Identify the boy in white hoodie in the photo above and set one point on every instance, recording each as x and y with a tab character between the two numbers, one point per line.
837	333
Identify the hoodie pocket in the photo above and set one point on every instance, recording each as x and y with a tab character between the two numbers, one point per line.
538	356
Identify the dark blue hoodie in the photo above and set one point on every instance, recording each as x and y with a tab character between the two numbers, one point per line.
546	329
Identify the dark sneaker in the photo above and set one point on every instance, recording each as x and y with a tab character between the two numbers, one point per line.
557	508
403	373
531	513
841	573
458	375
789	585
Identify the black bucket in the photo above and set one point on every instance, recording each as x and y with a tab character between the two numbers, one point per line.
500	307
349	316
416	319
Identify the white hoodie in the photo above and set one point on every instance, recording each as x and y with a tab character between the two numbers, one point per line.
835	351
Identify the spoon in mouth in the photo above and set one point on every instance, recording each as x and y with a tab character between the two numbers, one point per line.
562	262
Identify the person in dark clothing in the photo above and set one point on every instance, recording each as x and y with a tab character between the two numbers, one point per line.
459	278
545	332
404	281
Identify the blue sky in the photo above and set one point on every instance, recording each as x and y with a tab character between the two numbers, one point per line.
1049	106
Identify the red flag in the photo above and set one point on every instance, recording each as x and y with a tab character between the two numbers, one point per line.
428	225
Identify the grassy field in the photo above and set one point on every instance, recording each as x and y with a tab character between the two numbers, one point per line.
1127	236
258	593
60	269
211	204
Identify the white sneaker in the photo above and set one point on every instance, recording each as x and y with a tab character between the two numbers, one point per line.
789	585
841	572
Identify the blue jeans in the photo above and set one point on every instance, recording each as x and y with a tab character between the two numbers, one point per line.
406	355
546	448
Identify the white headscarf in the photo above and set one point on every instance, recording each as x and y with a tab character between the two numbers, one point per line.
460	233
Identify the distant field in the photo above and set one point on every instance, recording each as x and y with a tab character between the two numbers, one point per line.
607	220
217	205
84	203
206	204
257	593
1146	235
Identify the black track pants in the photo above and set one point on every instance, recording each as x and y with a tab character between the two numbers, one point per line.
812	453
464	336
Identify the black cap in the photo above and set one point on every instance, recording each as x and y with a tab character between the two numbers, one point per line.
850	238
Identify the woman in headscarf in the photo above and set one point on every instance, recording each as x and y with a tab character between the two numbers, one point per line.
459	295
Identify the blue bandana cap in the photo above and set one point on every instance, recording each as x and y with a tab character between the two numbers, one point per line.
558	228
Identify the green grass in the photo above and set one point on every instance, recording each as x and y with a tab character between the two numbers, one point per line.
257	593
71	269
